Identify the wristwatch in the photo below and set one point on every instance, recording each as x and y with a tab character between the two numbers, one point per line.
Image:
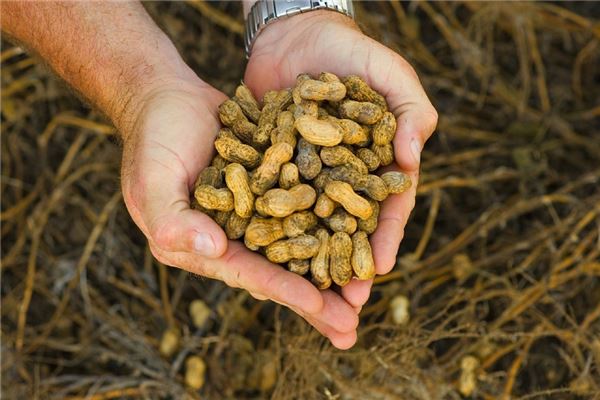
264	12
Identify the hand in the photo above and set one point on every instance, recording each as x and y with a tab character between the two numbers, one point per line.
327	41
167	144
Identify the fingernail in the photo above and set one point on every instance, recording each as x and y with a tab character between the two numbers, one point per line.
204	245
415	148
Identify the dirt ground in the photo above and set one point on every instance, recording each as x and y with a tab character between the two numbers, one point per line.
500	261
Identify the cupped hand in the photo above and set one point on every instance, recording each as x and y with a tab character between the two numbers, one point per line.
168	142
327	41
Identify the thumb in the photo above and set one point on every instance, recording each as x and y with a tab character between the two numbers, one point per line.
158	200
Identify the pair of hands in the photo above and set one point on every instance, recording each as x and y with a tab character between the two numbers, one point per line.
170	141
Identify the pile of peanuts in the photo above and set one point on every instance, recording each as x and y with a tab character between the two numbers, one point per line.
295	177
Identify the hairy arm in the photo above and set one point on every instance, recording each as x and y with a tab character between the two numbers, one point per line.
111	53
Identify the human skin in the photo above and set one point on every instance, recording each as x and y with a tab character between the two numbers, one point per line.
115	57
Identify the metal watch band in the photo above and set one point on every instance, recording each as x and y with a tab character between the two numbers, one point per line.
265	11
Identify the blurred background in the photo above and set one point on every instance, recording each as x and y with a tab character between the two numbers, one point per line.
496	293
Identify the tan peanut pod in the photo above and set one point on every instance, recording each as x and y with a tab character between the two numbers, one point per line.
341	221
264	231
262	136
299	267
340	155
308	161
214	199
236	226
312	89
219	162
318	132
298	223
244	130
236	178
396	182
281	203
303	107
289	176
244	98
361	112
235	151
210	176
300	247
272	105
385	153
357	89
249	245
369	158
362	256
352	132
270	96
322	113
319	265
340	252
267	173
221	218
324	206
328	77
372	185
343	193
370	224
384	130
230	112
195	371
321	180
285	131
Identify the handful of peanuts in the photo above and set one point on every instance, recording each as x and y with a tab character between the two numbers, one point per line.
296	179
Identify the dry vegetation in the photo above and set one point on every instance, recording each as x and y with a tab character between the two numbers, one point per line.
500	263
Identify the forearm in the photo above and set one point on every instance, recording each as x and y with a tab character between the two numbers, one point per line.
109	52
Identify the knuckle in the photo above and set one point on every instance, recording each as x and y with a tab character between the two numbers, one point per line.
163	235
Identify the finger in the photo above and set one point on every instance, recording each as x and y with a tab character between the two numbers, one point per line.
340	340
394	214
357	292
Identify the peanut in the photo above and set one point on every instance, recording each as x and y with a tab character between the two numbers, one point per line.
236	226
237	181
311	89
231	149
221	218
352	133
264	231
289	176
319	265
281	203
214	199
303	106
340	155
299	267
298	223
384	130
324	206
232	116
396	182
285	131
195	369
343	193
328	77
341	221
340	252
361	112
385	153
267	173
321	180
362	257
318	132
372	185
219	162
300	247
308	161
244	98
369	158
357	89
370	224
